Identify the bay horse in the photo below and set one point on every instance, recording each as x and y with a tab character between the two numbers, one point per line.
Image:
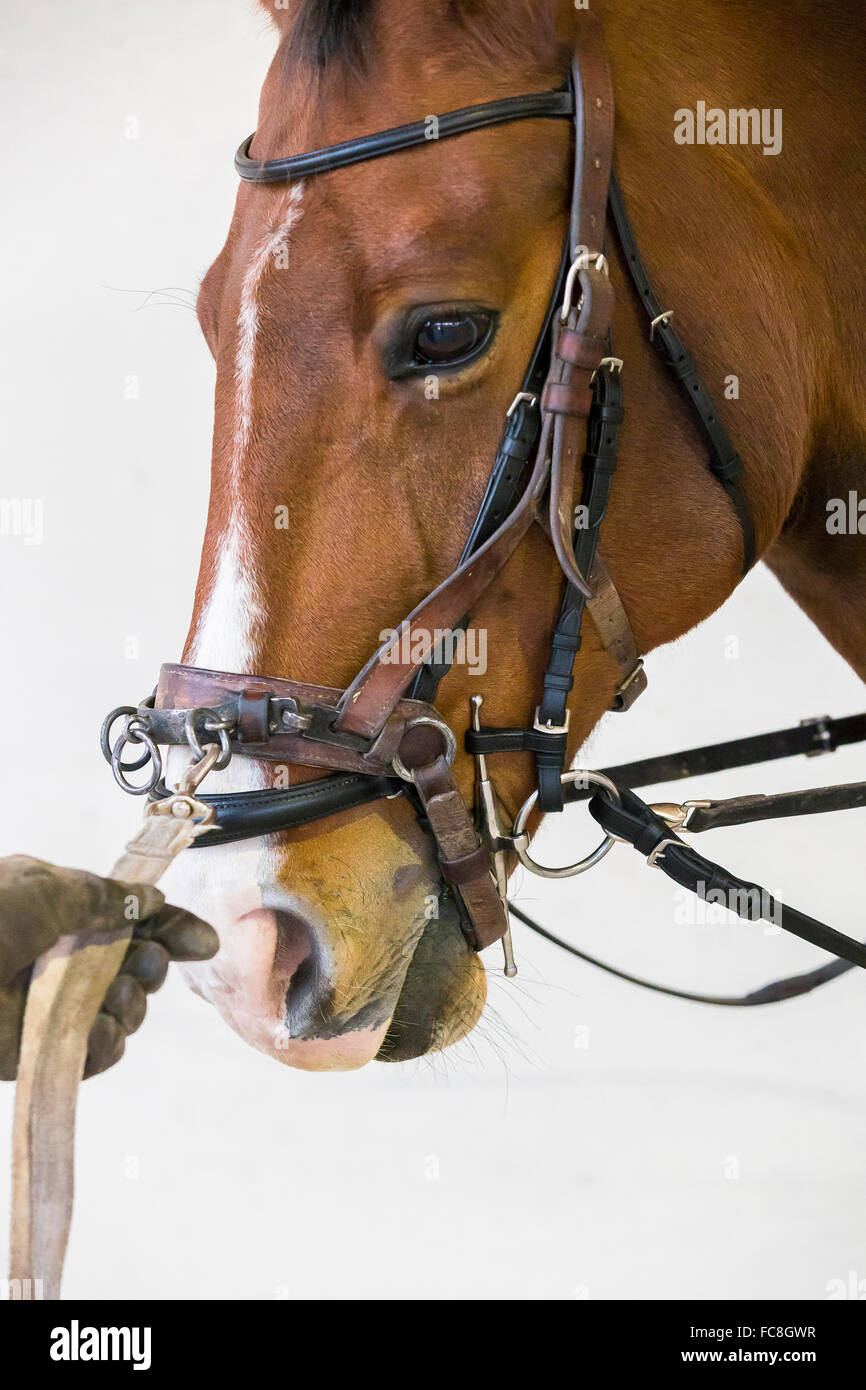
343	486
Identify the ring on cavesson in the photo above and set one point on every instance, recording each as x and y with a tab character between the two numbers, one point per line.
450	745
151	753
521	839
129	712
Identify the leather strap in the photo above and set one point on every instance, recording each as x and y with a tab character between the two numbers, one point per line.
67	988
599	466
640	826
745	810
725	463
568	398
811	738
374	692
614	629
405	137
463	861
244	815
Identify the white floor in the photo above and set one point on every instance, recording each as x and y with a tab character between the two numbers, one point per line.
590	1140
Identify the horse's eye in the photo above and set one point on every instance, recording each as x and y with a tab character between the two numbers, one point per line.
446	340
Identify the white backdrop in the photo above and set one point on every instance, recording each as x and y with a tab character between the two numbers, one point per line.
588	1140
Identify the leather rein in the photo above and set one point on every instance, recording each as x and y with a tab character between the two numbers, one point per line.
383	736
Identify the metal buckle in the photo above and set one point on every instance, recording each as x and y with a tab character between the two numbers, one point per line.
630	689
549	728
653	859
518	399
659	320
584	260
616	364
823	734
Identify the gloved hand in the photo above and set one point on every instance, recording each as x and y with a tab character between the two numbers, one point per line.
40	902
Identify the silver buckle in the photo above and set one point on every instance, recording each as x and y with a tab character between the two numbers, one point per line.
653	859
823	734
518	399
584	260
659	320
549	728
616	364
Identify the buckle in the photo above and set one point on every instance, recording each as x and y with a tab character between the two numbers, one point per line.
653	859
549	728
628	690
660	321
584	260
518	400
823	736
615	364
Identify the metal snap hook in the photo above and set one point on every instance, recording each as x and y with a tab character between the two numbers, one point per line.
520	842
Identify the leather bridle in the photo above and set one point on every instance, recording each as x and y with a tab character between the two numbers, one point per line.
383	736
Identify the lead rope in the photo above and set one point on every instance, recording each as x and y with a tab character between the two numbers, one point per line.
64	997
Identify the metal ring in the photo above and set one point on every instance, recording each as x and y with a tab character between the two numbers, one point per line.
212	725
119	768
521	840
129	712
450	745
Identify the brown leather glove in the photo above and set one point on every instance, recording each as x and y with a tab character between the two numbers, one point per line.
40	902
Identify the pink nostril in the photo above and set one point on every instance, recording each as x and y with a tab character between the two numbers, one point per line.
277	948
295	944
298	965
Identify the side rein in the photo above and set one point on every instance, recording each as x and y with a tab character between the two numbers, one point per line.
383	735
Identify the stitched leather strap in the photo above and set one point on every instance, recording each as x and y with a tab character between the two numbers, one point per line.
725	463
406	137
462	861
745	810
636	823
375	691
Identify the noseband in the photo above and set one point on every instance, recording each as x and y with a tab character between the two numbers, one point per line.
383	736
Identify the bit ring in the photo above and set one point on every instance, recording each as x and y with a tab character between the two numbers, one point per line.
521	842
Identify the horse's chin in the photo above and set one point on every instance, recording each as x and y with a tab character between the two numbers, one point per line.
443	993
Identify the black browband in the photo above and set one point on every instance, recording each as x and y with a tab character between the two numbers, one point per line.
403	137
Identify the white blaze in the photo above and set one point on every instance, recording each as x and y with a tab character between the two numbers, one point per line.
223	883
234	614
